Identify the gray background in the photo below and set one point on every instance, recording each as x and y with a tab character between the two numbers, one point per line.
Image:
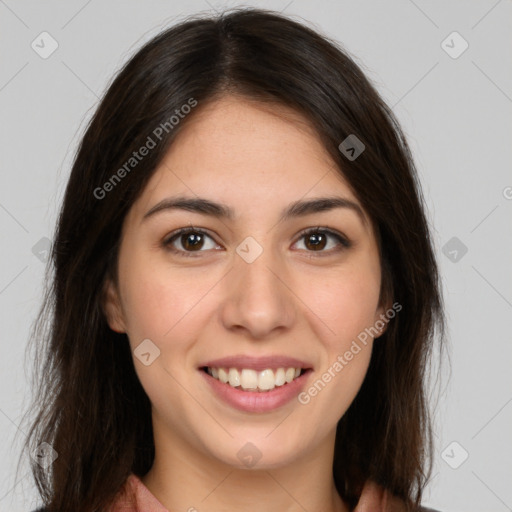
456	113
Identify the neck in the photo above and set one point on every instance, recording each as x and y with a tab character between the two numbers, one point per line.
184	478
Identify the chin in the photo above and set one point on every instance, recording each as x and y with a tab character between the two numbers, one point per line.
259	452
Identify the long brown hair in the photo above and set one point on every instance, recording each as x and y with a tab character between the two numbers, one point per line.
90	406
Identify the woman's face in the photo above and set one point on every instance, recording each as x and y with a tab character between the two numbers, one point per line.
250	292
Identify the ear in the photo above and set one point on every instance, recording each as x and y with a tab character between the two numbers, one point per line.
381	320
111	305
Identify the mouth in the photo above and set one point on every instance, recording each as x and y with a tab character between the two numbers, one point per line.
247	379
256	384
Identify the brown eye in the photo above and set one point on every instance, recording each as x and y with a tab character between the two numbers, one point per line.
188	240
316	240
192	241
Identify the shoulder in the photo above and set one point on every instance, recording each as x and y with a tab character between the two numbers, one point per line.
375	498
123	501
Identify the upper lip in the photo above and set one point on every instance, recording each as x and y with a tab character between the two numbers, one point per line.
257	363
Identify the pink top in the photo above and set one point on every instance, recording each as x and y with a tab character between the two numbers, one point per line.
374	498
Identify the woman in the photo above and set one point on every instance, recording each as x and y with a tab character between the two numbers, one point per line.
245	294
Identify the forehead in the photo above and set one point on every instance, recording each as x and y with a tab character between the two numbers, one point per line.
235	130
247	154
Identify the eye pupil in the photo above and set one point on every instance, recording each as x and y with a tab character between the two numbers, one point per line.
317	243
195	243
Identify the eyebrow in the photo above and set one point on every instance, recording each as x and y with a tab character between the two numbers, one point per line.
296	209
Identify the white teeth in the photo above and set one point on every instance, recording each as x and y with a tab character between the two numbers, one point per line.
290	374
266	380
280	377
251	380
223	375
234	377
248	379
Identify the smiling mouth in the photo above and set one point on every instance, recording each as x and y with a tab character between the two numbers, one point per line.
246	379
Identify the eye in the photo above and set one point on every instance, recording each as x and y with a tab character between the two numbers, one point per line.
190	239
316	239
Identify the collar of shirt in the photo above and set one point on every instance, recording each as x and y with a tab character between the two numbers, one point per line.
136	497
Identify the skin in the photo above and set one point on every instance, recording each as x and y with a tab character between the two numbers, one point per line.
292	300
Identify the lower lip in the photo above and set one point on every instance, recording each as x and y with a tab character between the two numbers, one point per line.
255	401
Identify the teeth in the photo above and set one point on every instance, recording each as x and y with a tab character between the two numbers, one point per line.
234	377
223	375
280	377
251	380
248	379
266	380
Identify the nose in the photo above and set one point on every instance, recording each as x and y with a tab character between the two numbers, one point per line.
259	297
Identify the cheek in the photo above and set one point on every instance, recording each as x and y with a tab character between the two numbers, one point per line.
151	307
157	298
347	302
160	305
348	308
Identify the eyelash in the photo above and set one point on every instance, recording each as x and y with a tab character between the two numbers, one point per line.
167	242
